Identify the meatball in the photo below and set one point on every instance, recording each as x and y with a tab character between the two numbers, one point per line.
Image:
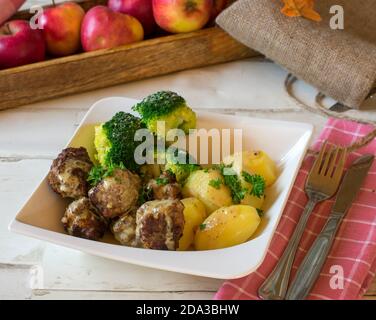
160	224
164	187
81	219
124	229
69	171
116	194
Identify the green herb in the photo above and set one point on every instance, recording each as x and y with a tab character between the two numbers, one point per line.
202	226
145	195
98	173
260	212
95	175
216	183
162	181
206	170
231	180
257	182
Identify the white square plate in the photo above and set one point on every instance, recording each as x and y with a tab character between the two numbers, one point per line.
285	142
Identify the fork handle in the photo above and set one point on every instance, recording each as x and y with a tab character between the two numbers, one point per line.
275	286
312	263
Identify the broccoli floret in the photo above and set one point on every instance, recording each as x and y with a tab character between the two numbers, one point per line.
114	141
181	169
169	107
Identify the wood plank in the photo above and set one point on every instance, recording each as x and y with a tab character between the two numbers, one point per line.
18	179
67	269
92	70
50	130
113	295
16	280
224	86
120	295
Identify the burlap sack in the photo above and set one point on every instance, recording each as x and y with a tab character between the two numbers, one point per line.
340	63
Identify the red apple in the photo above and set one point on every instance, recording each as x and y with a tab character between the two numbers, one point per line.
218	7
9	8
61	27
19	44
140	9
178	16
103	28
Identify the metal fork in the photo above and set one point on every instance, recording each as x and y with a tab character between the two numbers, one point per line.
322	183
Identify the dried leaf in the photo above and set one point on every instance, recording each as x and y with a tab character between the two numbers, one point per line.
300	8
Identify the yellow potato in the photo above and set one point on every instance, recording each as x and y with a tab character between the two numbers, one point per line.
198	186
194	215
254	162
251	200
227	227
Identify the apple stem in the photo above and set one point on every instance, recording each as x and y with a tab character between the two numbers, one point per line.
8	31
53	3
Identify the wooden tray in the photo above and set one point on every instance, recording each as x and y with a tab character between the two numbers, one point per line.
98	69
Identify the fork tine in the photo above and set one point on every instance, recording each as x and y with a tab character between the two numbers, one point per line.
327	160
318	162
341	163
333	162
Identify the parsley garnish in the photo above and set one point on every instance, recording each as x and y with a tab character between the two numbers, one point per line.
162	181
202	226
257	182
215	183
145	195
95	175
232	180
98	173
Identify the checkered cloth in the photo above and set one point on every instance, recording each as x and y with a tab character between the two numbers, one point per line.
354	248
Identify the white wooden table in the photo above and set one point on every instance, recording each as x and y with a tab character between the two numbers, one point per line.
31	136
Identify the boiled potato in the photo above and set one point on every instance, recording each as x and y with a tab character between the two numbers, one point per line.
252	200
249	199
198	186
194	215
254	162
227	227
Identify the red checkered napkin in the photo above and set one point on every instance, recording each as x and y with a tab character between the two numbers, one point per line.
354	248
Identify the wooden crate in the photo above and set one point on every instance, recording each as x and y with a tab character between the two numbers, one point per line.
92	70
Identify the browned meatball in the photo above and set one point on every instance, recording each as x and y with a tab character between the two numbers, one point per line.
164	187
124	229
160	224
69	171
117	194
81	219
